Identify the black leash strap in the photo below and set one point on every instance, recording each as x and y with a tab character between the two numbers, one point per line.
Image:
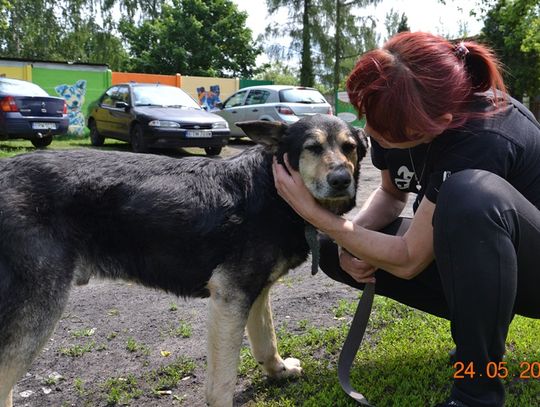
352	343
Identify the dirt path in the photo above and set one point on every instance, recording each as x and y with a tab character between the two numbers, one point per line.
106	318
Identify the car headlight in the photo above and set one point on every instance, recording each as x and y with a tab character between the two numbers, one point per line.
163	123
220	125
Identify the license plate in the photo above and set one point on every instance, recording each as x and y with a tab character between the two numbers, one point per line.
198	134
43	126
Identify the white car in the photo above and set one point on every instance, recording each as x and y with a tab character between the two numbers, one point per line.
283	103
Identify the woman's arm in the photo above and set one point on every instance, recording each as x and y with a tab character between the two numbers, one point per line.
383	206
404	256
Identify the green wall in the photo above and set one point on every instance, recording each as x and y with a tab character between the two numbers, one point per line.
346	111
80	85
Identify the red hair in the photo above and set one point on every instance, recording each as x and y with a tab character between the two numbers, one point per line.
418	77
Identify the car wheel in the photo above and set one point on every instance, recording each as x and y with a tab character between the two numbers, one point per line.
96	139
138	143
213	150
41	142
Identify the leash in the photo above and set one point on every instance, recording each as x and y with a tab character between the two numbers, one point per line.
352	343
358	324
311	235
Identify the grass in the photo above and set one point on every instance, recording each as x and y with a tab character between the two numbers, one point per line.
402	362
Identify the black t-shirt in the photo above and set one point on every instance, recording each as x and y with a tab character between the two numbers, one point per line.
506	144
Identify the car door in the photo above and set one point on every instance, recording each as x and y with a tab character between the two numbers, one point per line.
254	106
233	111
102	114
120	113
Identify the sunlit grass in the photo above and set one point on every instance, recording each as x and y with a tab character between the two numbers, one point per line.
402	362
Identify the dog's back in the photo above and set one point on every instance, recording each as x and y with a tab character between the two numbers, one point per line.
164	222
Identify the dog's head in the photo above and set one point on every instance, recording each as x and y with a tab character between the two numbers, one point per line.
324	149
74	95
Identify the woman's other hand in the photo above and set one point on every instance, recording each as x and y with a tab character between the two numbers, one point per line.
355	267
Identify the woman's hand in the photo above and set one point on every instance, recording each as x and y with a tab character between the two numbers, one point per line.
355	267
292	189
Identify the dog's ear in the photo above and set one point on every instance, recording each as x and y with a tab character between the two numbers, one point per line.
81	84
60	89
264	132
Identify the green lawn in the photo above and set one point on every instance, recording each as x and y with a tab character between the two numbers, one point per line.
10	148
402	362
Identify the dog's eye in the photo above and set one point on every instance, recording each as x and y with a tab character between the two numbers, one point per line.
348	147
314	148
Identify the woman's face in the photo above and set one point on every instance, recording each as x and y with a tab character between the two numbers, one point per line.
422	139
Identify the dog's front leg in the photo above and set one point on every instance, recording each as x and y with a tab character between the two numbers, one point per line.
262	338
9	400
228	311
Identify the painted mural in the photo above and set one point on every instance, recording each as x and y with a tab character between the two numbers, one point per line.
74	96
209	98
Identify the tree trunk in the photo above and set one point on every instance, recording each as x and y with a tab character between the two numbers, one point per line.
337	46
306	70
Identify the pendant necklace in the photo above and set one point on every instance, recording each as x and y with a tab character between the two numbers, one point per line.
418	179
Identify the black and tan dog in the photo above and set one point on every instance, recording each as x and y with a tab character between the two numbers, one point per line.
195	227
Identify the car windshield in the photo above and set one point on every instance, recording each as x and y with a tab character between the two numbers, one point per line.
20	88
168	96
301	96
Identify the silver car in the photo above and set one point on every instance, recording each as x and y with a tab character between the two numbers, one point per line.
281	103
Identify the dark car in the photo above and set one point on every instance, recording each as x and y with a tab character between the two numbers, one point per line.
28	112
152	115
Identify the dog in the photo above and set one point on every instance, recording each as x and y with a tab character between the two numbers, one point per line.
74	95
66	216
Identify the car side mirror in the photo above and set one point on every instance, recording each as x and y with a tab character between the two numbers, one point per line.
122	105
219	105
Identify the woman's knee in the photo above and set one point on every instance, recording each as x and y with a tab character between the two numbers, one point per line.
471	197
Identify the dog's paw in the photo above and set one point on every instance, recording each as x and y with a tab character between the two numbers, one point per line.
285	369
292	367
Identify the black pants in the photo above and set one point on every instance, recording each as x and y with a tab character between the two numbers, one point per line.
487	269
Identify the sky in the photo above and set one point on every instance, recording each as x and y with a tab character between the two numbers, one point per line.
422	15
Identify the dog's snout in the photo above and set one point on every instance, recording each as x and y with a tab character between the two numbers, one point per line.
339	178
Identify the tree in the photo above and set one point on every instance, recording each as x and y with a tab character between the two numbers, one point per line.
299	29
350	37
32	30
63	30
511	28
393	23
325	33
279	73
194	37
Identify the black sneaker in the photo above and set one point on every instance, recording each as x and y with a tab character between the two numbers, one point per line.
451	403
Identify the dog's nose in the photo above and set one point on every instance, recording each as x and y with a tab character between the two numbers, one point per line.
339	179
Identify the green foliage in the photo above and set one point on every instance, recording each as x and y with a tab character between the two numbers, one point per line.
279	73
193	37
512	29
61	31
395	23
326	34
